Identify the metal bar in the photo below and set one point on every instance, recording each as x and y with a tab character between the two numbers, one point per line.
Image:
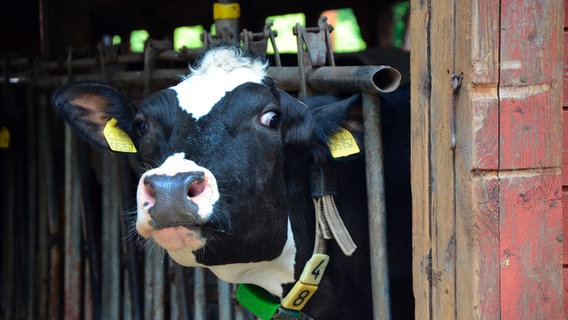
32	210
376	205
110	302
47	204
224	299
199	300
72	230
371	79
132	286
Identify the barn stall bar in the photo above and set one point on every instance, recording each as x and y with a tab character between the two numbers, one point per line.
486	231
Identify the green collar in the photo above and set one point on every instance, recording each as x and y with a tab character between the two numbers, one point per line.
265	306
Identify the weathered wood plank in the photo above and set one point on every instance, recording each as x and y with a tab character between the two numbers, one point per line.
565	232
565	68
565	147
420	126
530	42
484	251
442	207
529	122
530	222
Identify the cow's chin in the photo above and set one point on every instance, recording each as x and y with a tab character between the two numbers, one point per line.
178	239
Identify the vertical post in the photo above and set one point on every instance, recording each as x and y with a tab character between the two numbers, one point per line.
226	15
110	238
376	205
72	260
200	308
224	294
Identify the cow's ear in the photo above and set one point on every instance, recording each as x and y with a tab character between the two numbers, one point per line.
328	113
88	106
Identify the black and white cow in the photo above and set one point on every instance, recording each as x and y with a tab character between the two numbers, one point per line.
228	187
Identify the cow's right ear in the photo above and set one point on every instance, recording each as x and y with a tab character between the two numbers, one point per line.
88	106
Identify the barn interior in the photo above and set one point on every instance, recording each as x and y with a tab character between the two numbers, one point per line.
45	43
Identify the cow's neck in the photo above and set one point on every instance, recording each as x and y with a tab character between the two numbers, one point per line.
270	275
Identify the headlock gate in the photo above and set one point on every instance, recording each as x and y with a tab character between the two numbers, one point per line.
67	239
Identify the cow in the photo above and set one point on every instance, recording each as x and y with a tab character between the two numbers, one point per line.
227	158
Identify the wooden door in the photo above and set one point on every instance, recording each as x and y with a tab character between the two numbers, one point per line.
487	213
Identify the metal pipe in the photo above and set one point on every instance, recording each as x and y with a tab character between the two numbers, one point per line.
110	238
199	300
72	230
224	296
371	79
376	205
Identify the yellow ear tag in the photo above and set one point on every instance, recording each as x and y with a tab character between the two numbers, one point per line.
4	138
342	144
117	139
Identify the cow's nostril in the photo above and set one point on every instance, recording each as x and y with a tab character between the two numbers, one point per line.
196	188
149	189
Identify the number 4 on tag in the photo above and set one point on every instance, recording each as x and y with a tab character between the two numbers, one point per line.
314	269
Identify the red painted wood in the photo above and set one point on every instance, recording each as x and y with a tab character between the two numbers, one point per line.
528	128
565	290
530	53
565	146
565	230
565	71
531	214
486	231
527	54
485	150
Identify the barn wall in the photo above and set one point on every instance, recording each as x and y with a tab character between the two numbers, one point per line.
565	162
487	218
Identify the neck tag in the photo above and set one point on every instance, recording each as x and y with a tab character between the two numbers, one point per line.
117	139
4	138
342	144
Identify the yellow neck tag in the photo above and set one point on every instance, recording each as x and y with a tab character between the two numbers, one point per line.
342	144
304	289
4	138
117	139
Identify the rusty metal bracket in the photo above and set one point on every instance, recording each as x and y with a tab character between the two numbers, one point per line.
258	42
314	50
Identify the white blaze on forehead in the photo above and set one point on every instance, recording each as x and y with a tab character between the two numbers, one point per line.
221	70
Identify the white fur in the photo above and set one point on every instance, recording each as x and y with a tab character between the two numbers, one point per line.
270	275
221	70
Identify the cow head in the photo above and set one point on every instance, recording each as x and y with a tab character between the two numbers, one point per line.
217	193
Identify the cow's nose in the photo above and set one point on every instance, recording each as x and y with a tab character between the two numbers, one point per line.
171	198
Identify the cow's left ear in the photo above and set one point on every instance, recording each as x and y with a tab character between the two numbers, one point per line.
327	117
88	106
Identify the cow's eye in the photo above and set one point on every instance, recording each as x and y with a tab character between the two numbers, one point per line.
270	119
142	128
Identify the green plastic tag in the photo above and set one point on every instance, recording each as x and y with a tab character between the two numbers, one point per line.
4	138
257	300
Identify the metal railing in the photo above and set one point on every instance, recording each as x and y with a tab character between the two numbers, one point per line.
80	258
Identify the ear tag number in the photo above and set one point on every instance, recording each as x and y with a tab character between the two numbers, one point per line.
4	138
314	269
310	278
117	139
299	296
342	144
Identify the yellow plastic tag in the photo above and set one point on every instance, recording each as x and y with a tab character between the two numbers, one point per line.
298	296
314	269
4	138
226	11
117	139
342	144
